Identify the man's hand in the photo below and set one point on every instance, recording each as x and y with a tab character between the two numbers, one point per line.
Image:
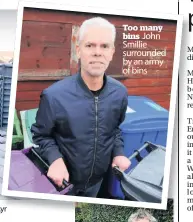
58	171
122	162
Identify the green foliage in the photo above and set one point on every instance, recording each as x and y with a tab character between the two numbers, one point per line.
107	213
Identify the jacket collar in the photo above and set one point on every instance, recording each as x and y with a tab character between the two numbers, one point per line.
87	91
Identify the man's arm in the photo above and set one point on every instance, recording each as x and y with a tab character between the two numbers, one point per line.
118	145
42	130
119	159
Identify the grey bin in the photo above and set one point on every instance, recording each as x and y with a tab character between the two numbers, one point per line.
144	182
5	88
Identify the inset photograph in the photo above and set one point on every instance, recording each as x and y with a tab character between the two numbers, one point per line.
92	105
85	212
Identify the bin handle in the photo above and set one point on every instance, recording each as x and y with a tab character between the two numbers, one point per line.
65	183
147	144
118	172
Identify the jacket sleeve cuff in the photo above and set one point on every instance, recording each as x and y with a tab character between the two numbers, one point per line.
118	152
53	155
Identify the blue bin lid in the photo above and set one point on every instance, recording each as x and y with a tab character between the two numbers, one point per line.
144	114
143	104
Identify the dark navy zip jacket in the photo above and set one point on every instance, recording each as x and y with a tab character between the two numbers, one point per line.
82	129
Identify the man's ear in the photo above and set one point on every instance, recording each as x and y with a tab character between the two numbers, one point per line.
78	51
112	53
113	50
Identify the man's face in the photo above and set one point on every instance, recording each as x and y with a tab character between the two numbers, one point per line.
95	50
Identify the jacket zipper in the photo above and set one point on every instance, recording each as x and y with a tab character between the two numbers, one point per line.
96	137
